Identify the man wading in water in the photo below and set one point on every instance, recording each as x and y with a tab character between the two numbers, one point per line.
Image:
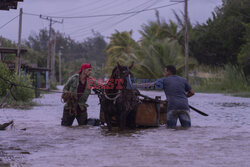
177	90
75	95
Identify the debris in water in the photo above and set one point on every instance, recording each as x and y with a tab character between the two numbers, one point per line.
233	104
5	125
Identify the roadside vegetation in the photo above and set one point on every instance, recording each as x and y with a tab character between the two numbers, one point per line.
20	96
219	52
228	80
219	48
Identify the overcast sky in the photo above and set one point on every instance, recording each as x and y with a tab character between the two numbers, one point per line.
80	29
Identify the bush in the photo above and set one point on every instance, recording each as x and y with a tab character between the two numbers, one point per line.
232	79
4	73
19	92
53	85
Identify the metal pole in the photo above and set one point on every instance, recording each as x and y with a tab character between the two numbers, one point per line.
49	43
47	80
0	46
19	41
51	58
53	78
60	67
186	40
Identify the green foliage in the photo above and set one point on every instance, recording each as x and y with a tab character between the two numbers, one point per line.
232	79
161	44
150	61
73	53
4	73
53	85
244	55
19	92
120	49
6	42
221	39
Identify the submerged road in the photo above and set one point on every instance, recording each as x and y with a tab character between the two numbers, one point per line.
221	139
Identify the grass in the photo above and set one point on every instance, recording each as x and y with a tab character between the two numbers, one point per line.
241	94
11	103
231	81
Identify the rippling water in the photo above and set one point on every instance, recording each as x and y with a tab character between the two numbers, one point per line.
222	139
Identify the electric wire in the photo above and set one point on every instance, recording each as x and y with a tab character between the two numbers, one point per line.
114	5
103	7
83	10
8	22
126	18
114	24
104	15
107	19
75	8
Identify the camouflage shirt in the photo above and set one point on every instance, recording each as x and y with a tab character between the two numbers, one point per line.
72	85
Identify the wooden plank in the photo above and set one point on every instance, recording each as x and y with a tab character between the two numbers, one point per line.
38	84
147	114
11	50
47	80
163	112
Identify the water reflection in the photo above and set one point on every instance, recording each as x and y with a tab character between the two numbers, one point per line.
222	139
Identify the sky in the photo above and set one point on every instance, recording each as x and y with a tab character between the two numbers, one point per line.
81	28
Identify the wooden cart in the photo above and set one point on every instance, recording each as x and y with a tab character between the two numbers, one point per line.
150	113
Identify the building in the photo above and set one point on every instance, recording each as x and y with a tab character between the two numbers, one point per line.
9	4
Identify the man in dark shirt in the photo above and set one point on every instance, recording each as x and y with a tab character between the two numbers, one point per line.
177	90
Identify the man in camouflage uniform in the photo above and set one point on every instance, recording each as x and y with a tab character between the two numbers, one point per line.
75	96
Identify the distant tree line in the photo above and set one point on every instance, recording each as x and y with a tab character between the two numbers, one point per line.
91	50
224	38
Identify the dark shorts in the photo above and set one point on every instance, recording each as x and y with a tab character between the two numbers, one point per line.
183	116
68	118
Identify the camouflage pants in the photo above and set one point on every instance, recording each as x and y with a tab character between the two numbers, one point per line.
68	118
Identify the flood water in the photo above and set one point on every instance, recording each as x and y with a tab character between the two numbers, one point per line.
38	139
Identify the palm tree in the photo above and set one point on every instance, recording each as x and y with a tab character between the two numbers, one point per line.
151	60
161	43
120	49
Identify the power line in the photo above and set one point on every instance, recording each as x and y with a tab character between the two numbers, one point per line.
105	20
124	19
103	6
104	15
107	27
9	22
113	6
75	8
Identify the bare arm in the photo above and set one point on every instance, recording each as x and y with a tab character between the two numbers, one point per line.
190	93
143	85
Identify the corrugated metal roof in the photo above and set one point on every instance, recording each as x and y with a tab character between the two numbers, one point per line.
9	4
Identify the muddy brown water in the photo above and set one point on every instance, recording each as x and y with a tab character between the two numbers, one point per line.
222	139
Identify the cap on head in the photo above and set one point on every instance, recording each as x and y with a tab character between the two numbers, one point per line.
84	66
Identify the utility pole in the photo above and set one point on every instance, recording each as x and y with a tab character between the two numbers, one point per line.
186	35
53	57
19	42
60	67
48	57
51	46
186	40
0	46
